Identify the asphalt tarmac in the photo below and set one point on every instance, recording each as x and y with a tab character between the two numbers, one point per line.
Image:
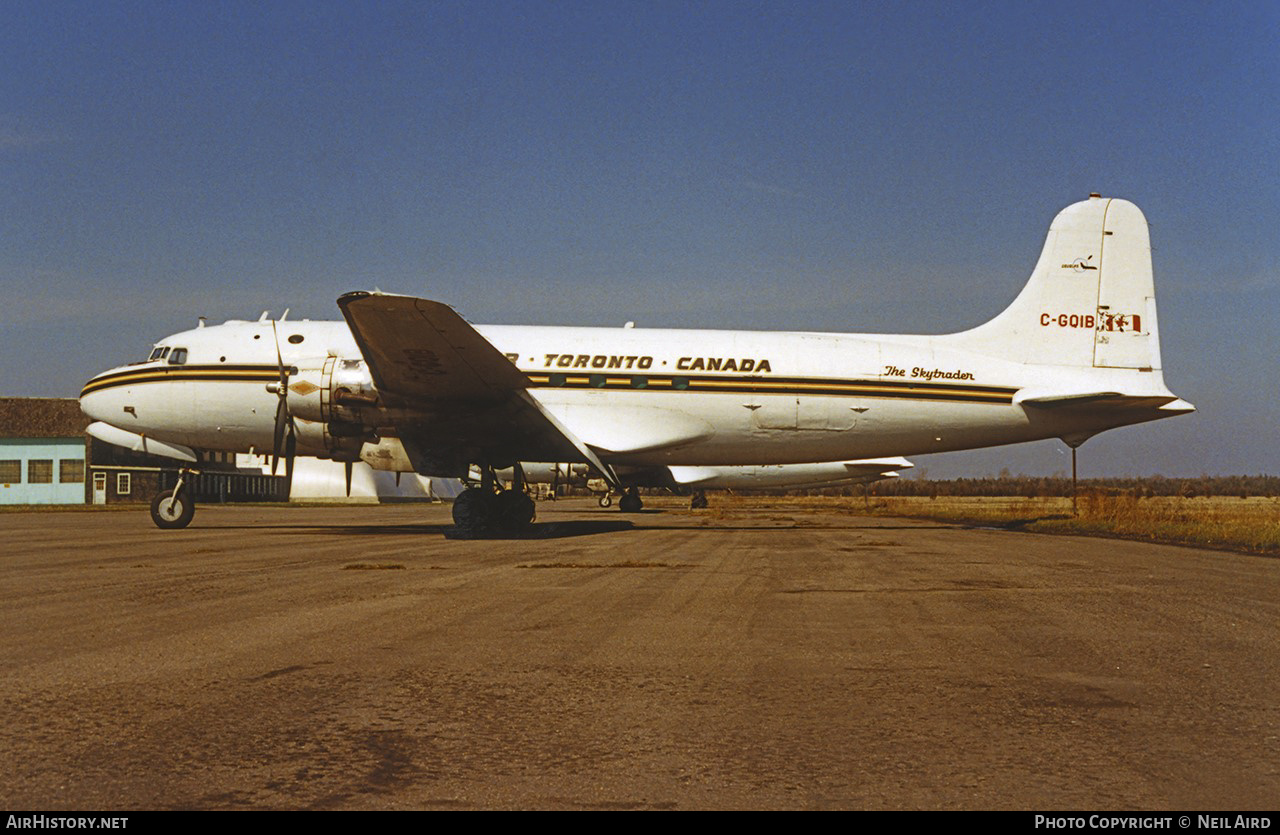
357	658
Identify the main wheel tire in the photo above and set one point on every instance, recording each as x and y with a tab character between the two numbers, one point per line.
513	510
172	515
630	503
473	509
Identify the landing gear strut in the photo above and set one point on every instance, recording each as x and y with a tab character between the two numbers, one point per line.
173	509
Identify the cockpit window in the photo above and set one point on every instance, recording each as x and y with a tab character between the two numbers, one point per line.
178	357
158	353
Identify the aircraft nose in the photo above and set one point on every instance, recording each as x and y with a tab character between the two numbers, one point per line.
101	402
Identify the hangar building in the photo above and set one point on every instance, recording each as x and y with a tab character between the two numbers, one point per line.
42	451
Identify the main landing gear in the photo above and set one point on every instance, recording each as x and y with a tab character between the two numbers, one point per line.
173	509
630	501
485	509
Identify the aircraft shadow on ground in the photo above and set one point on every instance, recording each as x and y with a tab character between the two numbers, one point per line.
546	530
538	530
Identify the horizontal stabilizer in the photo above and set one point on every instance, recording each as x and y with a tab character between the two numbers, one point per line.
1107	401
789	476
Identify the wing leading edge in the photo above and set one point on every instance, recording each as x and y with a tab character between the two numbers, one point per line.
460	399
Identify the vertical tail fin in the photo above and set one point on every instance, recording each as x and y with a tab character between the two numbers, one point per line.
1090	300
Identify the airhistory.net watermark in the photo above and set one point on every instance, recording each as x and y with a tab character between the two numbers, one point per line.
64	822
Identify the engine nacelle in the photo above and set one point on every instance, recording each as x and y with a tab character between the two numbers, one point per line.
335	407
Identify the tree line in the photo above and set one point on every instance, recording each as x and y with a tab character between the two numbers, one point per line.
1242	486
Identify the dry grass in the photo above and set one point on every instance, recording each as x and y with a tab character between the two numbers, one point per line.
1251	525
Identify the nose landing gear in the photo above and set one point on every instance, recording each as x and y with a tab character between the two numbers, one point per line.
174	509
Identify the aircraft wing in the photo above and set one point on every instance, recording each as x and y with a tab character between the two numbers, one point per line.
462	399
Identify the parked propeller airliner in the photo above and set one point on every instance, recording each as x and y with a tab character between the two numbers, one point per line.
406	384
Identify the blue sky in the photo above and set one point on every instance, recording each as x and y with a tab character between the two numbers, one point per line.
802	166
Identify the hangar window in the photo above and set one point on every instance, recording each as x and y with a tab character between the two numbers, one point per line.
124	484
159	352
11	472
178	357
40	471
71	471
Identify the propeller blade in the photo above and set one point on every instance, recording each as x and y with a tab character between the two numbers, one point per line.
348	465
277	438
279	359
283	417
290	450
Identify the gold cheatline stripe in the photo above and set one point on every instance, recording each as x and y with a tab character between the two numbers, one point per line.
189	374
869	388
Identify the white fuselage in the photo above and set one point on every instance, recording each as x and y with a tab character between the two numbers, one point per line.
638	396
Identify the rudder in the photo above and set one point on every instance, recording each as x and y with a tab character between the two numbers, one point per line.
1090	300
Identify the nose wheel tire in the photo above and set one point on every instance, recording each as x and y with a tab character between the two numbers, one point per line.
605	500
171	512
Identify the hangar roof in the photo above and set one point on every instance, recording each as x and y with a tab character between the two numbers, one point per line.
41	417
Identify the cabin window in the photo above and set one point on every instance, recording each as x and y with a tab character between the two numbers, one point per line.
178	357
11	471
639	382
40	471
295	339
71	471
597	381
124	484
